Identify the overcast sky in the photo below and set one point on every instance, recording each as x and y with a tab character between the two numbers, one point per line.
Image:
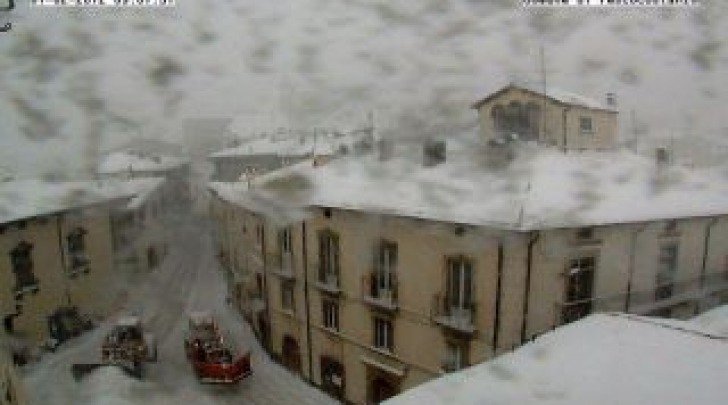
72	82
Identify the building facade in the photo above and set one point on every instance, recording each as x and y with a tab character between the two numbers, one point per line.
552	117
401	272
54	260
366	305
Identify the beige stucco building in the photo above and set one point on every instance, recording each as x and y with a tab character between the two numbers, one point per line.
553	117
57	250
398	271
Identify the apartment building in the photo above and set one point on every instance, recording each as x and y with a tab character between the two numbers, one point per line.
56	240
379	273
134	163
271	151
368	296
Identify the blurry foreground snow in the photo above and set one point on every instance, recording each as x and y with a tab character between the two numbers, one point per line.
602	359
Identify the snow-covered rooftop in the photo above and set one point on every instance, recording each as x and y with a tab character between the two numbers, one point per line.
602	359
28	198
540	188
125	161
285	144
560	95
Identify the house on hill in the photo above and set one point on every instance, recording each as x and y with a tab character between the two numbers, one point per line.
551	117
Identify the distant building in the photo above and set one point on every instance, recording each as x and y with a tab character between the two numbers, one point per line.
132	164
551	117
272	151
57	244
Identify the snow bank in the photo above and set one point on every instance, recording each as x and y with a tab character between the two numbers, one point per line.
602	359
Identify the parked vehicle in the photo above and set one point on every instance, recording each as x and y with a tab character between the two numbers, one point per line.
66	323
127	346
212	359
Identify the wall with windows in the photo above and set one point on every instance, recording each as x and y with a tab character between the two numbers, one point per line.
542	119
39	273
395	312
88	257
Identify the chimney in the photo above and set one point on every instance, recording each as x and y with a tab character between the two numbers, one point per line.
433	152
611	100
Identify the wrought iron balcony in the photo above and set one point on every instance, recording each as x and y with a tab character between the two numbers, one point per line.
282	266
379	289
458	317
328	282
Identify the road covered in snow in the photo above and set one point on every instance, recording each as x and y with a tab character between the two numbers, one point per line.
188	280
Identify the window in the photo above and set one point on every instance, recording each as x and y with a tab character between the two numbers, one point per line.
22	262
670	227
517	118
76	244
585	233
286	240
287	294
328	257
383	334
332	376
455	356
259	235
585	125
579	288
331	314
386	263
459	285
666	269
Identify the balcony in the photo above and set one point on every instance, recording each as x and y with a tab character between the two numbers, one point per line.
328	282
379	289
456	317
27	286
282	266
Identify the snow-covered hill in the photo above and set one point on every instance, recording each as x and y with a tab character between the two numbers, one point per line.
72	81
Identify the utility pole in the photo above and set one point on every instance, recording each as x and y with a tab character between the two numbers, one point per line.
542	115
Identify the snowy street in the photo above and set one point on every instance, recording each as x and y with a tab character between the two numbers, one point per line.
188	280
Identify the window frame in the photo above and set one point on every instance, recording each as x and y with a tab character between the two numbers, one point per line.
586	129
383	333
330	314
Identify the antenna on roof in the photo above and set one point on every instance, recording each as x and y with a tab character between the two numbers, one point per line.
542	119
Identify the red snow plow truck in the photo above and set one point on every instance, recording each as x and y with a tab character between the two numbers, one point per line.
212	359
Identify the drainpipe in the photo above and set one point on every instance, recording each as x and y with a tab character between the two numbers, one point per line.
630	271
305	300
703	269
496	326
64	269
534	236
565	127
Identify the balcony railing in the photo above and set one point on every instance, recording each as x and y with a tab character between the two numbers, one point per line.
328	282
662	296
282	265
458	317
379	289
29	285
